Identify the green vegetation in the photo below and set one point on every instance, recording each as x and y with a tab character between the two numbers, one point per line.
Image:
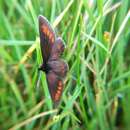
97	87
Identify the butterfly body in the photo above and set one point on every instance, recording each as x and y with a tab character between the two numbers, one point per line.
54	67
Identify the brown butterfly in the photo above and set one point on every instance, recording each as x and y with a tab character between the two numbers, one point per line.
54	67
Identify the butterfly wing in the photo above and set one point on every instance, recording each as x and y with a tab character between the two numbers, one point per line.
55	85
57	49
59	67
47	37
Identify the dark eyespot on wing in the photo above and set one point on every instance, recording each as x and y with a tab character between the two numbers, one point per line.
60	67
57	49
55	85
47	37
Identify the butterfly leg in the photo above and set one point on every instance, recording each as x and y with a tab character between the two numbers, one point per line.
40	68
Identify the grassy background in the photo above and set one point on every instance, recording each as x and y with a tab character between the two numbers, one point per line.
97	87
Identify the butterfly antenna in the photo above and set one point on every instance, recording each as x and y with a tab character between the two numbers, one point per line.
38	79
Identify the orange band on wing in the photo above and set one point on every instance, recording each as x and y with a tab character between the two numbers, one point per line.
59	90
49	34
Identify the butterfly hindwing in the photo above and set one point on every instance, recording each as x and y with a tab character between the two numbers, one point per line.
60	67
47	37
57	49
55	85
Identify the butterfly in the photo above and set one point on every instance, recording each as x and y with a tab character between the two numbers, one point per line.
54	67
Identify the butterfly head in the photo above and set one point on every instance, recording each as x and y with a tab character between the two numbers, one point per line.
44	67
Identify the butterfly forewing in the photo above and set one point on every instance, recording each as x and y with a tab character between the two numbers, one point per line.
55	84
47	37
